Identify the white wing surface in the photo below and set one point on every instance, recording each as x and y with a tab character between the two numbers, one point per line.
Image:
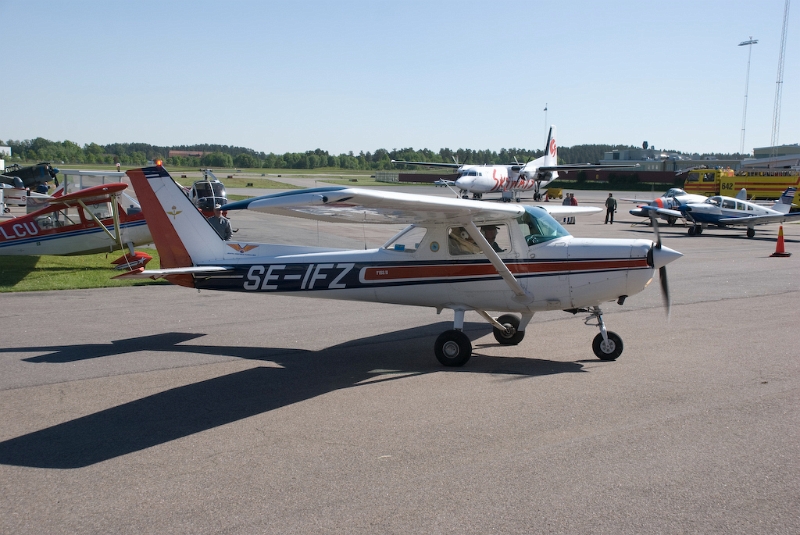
343	204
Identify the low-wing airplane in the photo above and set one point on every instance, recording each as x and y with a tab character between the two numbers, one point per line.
512	179
34	177
87	221
731	211
672	199
457	255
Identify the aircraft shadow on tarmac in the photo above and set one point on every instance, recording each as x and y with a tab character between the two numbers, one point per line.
201	406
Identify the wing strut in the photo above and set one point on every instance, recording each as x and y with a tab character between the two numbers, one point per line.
521	295
115	212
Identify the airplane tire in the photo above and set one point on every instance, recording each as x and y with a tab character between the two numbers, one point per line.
751	232
511	337
453	348
671	221
698	230
691	230
610	350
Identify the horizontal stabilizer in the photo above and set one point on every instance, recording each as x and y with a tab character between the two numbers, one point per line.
154	274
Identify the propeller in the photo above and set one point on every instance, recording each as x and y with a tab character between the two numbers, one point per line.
662	270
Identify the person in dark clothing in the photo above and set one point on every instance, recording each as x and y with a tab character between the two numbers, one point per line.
611	207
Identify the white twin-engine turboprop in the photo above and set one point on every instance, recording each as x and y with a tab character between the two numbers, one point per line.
512	179
455	254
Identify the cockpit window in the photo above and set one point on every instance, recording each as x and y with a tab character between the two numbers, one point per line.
408	240
714	200
538	226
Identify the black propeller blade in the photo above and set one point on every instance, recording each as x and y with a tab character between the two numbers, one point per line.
662	271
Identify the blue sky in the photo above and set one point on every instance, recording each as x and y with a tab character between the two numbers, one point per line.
361	75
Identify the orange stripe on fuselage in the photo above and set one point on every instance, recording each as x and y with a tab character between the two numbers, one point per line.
477	270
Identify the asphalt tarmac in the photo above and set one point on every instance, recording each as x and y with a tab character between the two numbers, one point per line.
160	409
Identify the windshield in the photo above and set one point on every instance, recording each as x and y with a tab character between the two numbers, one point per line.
538	226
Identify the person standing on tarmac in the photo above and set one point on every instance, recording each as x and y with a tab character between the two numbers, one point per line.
221	224
611	207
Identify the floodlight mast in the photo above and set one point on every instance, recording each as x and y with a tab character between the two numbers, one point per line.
749	44
776	112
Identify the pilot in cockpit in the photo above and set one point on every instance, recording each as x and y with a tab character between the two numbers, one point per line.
490	232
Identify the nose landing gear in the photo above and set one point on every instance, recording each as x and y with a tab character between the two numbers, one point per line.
607	345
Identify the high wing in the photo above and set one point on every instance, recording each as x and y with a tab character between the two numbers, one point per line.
759	219
429	164
93	195
358	205
560	210
587	167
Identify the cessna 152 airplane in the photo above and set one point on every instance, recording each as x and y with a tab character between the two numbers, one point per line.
457	255
87	221
513	179
731	211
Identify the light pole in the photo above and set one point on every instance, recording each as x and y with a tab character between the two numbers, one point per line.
749	44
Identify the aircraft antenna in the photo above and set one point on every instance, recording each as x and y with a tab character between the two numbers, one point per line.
776	112
545	123
749	44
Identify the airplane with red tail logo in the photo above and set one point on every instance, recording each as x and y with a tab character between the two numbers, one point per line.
513	179
454	254
87	221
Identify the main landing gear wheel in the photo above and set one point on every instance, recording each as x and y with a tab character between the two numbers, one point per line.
609	349
511	336
453	348
751	232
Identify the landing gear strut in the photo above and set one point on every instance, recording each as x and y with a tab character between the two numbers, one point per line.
607	345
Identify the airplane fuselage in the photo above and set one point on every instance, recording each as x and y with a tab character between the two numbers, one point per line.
559	274
55	231
718	208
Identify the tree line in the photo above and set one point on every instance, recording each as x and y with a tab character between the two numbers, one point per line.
225	156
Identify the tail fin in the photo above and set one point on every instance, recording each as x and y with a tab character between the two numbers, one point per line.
551	148
183	237
784	203
742	195
551	154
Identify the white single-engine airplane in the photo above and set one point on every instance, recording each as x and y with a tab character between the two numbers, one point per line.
512	179
458	255
723	211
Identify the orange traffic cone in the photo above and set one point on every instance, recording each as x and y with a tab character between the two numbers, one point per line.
779	250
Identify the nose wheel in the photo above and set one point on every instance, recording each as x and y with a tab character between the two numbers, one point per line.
608	348
607	345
